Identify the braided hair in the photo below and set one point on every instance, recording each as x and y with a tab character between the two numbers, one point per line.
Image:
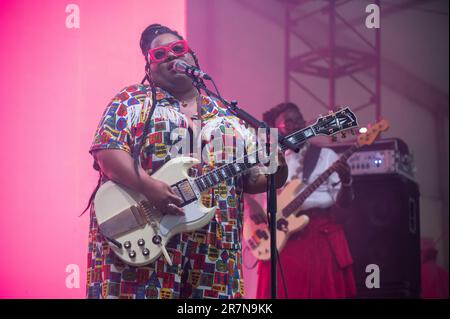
147	37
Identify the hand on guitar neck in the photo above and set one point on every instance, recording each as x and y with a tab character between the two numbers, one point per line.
257	183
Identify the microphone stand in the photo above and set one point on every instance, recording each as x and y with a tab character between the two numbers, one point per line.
271	190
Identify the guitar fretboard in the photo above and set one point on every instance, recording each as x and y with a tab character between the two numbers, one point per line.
239	166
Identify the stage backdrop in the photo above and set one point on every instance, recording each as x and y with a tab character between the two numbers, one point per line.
60	64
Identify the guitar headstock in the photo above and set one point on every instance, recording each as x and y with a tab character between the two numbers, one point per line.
372	133
339	121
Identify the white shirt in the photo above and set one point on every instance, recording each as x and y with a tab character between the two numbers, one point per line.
326	194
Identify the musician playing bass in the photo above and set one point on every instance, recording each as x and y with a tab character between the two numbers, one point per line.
316	261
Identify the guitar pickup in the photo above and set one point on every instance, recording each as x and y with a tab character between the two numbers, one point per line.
184	190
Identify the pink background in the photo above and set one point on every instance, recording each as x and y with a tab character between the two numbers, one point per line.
55	83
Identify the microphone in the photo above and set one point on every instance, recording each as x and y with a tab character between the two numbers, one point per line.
190	70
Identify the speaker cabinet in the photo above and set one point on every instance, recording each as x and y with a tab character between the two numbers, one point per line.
382	228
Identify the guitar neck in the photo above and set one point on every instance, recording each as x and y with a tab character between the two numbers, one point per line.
243	164
300	199
300	136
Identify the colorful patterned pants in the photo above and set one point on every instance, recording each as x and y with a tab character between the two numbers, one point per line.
199	271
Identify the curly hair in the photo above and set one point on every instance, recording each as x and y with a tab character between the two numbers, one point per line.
271	115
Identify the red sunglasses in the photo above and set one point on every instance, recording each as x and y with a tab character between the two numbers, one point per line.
159	54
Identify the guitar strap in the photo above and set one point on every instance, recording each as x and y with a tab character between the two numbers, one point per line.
310	161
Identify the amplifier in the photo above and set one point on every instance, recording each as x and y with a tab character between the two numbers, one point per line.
386	156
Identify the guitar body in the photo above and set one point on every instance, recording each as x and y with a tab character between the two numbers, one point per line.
113	201
257	234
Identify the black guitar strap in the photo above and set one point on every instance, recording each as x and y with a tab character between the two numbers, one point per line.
310	161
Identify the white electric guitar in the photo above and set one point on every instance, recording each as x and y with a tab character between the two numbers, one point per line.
138	232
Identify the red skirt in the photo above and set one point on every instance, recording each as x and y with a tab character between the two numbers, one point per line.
316	264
